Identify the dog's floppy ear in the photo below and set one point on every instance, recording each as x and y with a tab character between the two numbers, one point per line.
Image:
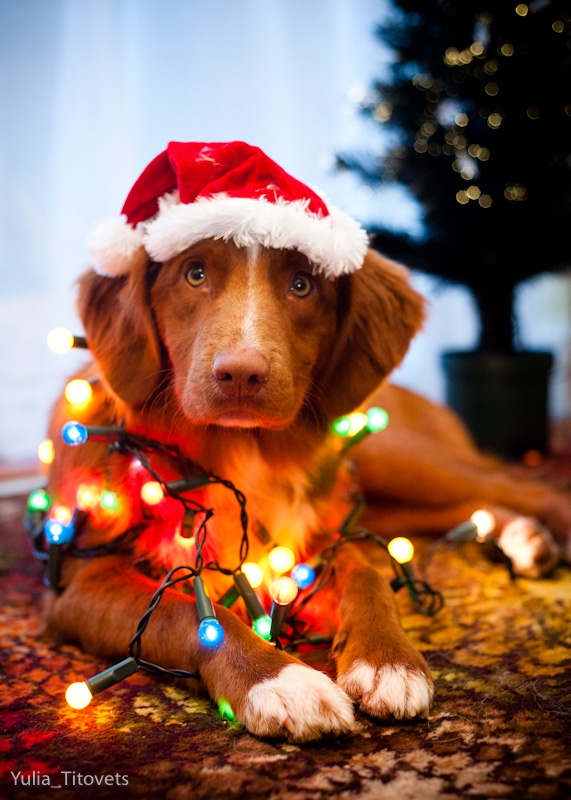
379	314
120	332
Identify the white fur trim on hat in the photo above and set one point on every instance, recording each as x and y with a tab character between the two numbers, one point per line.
335	244
113	245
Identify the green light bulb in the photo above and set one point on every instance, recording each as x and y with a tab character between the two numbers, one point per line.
341	426
38	500
225	710
109	500
262	626
377	420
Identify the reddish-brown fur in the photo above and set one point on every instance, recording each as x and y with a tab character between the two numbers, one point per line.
245	377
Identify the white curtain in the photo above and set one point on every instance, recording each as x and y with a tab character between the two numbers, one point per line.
92	90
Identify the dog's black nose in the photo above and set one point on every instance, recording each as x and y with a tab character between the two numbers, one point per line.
240	373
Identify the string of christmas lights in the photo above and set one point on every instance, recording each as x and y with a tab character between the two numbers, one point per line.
477	529
57	528
55	532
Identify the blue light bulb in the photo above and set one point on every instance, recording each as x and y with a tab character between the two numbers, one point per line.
303	575
58	533
211	632
74	433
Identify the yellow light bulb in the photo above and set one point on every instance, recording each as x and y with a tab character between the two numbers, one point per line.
60	340
78	392
152	492
283	591
484	522
87	496
46	451
401	549
254	574
77	695
281	559
357	422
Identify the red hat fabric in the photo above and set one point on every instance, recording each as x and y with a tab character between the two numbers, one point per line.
199	190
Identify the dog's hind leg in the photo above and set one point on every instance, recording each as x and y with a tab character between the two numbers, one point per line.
429	476
529	544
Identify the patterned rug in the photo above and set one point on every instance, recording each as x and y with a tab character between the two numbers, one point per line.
500	652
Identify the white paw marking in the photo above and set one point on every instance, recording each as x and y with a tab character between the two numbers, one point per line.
398	691
530	546
300	703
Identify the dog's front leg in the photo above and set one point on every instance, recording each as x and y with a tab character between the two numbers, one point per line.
271	693
376	663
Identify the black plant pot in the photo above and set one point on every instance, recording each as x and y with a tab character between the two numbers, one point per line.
502	398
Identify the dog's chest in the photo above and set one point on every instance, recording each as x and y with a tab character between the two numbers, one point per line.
278	507
283	508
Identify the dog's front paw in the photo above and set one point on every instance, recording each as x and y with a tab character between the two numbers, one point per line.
389	690
300	704
530	547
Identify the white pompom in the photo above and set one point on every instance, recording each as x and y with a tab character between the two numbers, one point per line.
113	245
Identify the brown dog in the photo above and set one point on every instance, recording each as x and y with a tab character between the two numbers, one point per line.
241	355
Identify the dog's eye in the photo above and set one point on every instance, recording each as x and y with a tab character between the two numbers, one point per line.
301	285
195	275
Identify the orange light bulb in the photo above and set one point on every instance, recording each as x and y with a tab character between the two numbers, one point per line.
61	514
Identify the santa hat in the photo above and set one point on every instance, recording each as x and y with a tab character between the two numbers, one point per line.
198	190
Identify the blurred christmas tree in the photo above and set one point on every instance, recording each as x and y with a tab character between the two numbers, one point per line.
478	105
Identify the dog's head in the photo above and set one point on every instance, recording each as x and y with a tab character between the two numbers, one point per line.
248	336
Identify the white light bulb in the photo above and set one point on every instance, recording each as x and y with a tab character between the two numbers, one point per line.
77	695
